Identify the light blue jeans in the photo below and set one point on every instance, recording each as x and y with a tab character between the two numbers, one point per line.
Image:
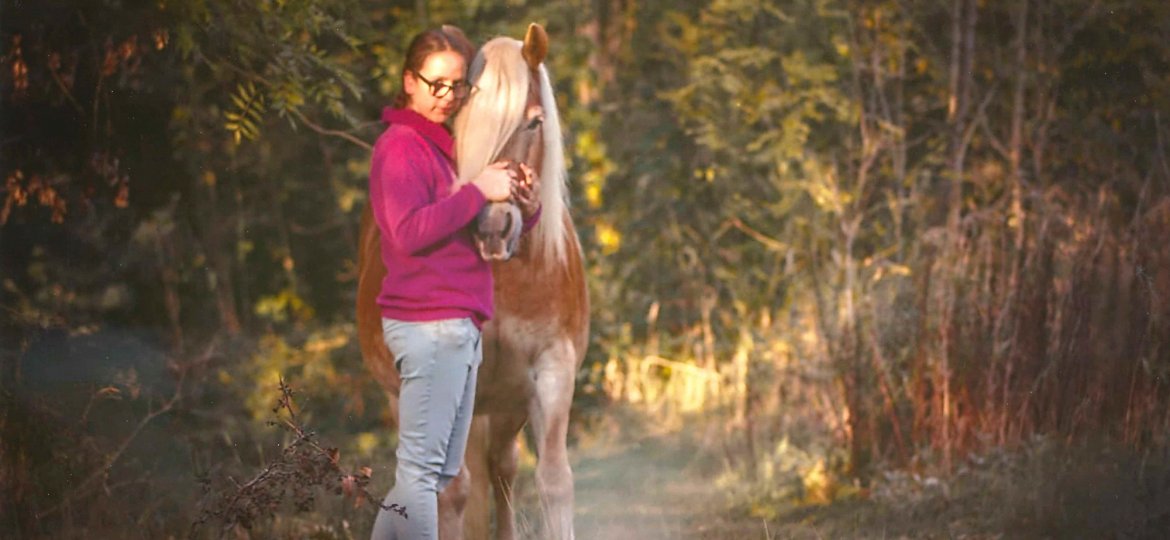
438	362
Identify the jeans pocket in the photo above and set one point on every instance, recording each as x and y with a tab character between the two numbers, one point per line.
413	345
457	331
459	338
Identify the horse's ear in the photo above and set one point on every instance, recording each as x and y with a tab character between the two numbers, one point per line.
535	45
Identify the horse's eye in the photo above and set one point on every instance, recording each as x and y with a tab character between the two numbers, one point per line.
535	123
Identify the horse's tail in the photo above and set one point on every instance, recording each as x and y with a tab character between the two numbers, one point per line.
371	271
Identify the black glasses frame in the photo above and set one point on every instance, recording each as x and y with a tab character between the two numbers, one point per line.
440	89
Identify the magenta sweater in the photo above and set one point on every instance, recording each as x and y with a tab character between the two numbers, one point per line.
433	270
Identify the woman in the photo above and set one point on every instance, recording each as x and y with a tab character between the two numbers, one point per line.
437	293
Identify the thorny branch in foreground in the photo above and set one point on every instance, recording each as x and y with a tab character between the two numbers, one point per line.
303	464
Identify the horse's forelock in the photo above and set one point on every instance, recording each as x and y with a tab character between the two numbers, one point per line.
498	105
499	75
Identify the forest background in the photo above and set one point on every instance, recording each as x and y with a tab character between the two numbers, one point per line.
861	240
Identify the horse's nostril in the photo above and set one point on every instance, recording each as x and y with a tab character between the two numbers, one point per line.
507	226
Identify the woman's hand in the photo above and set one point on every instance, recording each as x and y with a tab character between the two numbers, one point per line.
526	192
496	182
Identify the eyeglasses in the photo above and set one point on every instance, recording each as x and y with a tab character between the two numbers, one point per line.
440	89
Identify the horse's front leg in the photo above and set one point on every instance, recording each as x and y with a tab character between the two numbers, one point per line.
549	410
477	518
452	501
503	463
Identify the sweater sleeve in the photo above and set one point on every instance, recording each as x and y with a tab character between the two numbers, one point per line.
416	221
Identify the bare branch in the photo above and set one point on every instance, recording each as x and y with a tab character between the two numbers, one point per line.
330	132
102	472
760	237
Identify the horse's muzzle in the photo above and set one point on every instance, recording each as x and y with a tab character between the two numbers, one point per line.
497	231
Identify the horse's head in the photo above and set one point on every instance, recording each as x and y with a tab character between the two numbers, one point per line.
498	225
504	119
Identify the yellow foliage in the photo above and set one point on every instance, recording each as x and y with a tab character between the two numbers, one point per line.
820	486
367	442
348	197
842	48
608	238
306	367
326	343
764	509
283	304
593	195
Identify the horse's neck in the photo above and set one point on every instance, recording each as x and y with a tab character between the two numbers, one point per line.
532	268
544	291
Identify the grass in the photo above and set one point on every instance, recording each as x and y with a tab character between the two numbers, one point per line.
1044	490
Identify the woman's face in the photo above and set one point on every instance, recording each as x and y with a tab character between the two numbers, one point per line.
443	73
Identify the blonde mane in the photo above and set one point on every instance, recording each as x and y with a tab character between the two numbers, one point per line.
498	107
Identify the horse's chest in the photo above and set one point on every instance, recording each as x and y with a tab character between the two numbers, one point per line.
511	347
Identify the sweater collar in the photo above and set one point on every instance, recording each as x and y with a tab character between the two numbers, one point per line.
437	134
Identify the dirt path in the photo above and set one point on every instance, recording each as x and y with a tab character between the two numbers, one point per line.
651	489
648	489
659	487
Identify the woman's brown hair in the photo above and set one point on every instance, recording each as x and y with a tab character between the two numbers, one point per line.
426	43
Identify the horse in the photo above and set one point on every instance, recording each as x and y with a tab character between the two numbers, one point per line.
535	343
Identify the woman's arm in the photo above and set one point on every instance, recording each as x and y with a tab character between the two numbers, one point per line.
415	221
